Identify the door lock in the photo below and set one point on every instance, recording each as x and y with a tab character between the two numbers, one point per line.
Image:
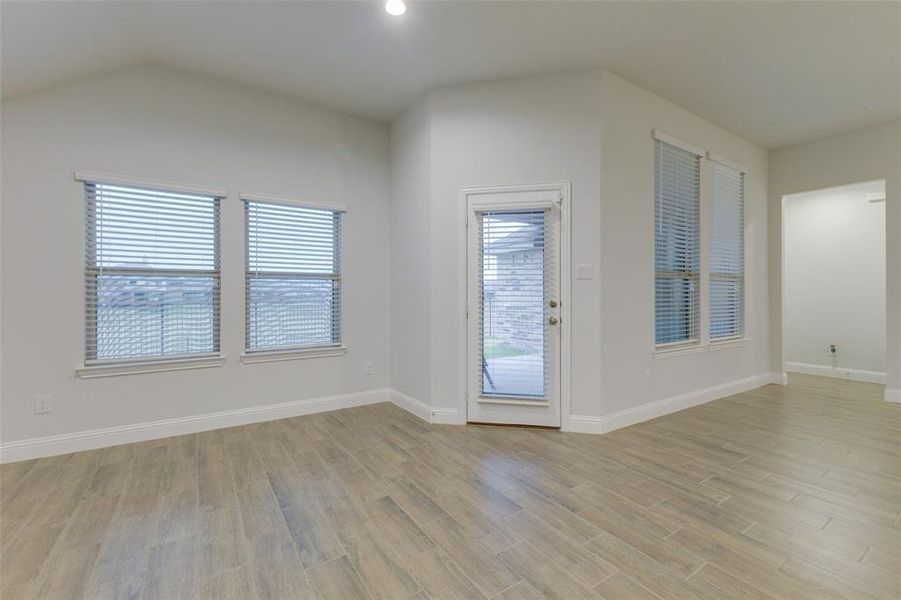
553	320
552	304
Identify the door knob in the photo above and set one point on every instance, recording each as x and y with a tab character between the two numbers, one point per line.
553	320
552	304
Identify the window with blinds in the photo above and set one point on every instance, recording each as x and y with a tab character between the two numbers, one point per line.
293	276
676	244
151	274
727	253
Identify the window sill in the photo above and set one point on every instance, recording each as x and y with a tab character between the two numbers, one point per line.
728	343
156	366
677	351
249	358
688	350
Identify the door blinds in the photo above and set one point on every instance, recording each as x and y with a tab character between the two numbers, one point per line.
516	270
151	274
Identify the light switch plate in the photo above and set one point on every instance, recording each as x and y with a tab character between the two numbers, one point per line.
584	271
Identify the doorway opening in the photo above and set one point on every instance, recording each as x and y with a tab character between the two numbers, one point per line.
834	282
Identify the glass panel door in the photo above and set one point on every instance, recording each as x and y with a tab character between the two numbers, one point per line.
513	306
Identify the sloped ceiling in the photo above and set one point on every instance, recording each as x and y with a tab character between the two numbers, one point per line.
777	73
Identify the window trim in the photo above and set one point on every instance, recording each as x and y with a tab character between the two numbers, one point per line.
678	350
149	366
668	139
725	161
289	201
728	343
675	349
269	354
263	356
167	186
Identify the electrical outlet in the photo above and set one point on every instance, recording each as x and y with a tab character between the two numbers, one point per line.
43	404
367	368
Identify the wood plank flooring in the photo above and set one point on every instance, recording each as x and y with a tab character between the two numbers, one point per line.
782	492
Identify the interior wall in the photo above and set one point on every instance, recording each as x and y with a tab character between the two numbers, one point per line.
159	123
835	279
533	130
866	155
410	253
594	129
632	374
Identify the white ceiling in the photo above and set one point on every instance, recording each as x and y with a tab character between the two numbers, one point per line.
777	73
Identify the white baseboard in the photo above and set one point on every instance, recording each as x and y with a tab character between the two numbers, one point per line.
439	416
892	395
838	372
139	432
652	410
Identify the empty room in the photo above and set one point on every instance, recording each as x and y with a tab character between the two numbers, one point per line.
440	299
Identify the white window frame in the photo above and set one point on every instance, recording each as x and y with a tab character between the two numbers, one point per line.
705	343
116	367
252	356
741	337
697	343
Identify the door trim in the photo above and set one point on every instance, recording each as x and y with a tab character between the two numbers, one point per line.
564	189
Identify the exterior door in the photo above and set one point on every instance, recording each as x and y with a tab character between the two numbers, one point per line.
513	308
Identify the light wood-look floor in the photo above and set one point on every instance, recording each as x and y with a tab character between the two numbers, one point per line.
788	492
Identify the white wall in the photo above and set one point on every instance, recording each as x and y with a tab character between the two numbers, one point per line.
535	130
631	374
593	129
402	249
866	155
410	253
164	124
835	278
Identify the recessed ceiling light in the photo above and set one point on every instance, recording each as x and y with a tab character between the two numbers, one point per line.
395	8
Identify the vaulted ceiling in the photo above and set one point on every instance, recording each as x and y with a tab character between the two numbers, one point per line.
777	73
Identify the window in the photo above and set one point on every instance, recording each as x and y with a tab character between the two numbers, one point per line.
293	276
727	253
151	274
676	244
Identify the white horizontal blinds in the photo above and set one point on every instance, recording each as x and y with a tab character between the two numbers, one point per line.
513	340
676	244
151	274
727	253
293	278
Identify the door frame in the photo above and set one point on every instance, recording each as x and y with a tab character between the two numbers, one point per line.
564	191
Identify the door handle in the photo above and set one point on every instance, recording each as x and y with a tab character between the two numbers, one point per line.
553	320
